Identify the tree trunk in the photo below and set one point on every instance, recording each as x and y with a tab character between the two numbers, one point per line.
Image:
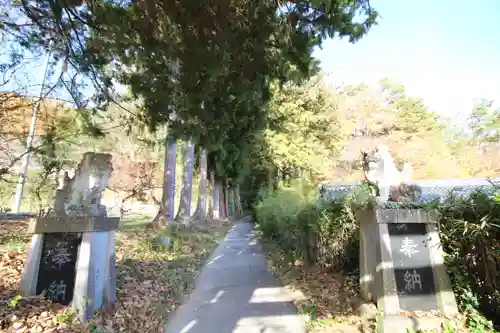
198	192
201	208
167	205
232	202
237	198
270	182
226	200
216	209
222	201
184	212
210	191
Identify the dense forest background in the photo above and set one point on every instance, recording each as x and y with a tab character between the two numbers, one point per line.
314	129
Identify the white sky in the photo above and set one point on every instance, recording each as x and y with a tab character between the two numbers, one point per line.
439	51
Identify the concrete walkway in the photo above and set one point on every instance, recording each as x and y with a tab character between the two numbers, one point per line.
236	293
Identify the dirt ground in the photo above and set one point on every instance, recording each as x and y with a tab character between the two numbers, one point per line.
151	280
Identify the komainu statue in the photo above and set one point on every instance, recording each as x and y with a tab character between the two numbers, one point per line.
85	188
63	192
391	184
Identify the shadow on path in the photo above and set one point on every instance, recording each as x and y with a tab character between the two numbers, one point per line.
236	293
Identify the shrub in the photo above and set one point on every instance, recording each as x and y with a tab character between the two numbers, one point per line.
470	234
306	228
277	215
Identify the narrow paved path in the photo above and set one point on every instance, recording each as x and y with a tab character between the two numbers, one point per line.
236	293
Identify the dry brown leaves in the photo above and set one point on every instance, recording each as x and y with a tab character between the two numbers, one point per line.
331	300
13	234
151	282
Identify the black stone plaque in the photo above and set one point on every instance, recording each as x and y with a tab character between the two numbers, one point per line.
412	266
57	272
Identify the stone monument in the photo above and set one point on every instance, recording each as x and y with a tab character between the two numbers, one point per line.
401	261
72	255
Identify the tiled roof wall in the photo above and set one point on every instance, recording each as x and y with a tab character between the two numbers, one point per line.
431	189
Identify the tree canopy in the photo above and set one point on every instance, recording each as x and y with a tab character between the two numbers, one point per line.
205	68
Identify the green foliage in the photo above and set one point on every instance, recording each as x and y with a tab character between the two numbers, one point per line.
302	138
204	68
7	190
303	131
38	191
305	228
280	220
484	121
470	235
14	301
411	114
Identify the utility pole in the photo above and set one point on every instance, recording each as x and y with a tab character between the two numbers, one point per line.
16	205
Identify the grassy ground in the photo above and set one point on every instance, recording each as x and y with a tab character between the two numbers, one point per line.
151	280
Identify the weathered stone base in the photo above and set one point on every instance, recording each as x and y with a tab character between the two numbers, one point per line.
95	280
377	273
29	279
94	287
397	323
379	264
73	224
401	324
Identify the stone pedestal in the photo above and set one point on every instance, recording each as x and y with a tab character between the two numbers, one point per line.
72	255
369	249
72	260
402	267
